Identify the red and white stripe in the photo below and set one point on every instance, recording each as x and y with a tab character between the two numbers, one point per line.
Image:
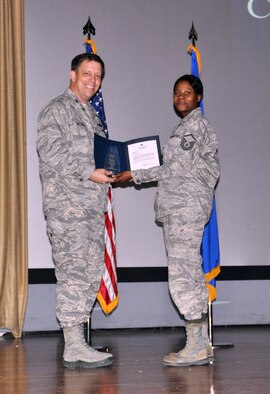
108	292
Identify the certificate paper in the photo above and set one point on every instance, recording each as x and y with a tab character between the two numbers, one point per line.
143	154
136	154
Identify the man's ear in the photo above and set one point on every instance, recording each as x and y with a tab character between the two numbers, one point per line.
72	75
199	98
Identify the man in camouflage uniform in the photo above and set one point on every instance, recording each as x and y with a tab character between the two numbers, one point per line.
74	201
186	183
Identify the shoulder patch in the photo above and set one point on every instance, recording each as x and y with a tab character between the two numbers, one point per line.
187	142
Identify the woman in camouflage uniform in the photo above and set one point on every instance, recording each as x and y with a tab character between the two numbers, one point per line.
183	203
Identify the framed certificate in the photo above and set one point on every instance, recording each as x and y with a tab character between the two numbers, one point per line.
135	154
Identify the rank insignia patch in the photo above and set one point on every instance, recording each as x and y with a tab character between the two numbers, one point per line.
188	142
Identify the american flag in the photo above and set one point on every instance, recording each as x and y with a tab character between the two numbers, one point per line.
108	291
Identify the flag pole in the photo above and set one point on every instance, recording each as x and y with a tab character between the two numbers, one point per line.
210	330
88	29
193	36
196	70
108	291
210	323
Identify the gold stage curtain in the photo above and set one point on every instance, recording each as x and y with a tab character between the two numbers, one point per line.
13	188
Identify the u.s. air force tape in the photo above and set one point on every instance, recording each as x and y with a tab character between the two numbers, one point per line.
188	142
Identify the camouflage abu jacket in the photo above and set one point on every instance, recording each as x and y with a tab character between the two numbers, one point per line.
65	147
190	169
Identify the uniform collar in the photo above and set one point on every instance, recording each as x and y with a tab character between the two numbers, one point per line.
197	112
73	96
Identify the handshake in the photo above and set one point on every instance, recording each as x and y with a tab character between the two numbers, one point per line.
101	175
124	176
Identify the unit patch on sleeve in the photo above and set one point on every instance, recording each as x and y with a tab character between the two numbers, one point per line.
188	142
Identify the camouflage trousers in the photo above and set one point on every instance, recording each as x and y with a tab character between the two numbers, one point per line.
77	238
183	234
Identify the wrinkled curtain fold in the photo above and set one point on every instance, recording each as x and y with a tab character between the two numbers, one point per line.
13	189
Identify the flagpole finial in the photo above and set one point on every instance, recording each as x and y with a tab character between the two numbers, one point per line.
89	29
193	35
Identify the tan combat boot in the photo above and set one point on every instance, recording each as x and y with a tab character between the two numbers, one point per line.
206	341
195	351
78	354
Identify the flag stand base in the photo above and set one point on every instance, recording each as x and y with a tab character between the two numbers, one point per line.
222	345
87	335
87	331
210	331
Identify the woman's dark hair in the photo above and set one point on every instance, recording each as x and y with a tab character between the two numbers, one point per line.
195	82
89	57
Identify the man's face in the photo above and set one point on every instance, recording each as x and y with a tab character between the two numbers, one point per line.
86	81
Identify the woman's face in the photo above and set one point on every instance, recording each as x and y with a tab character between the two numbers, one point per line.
185	99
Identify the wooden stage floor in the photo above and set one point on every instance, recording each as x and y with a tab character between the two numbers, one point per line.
33	364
